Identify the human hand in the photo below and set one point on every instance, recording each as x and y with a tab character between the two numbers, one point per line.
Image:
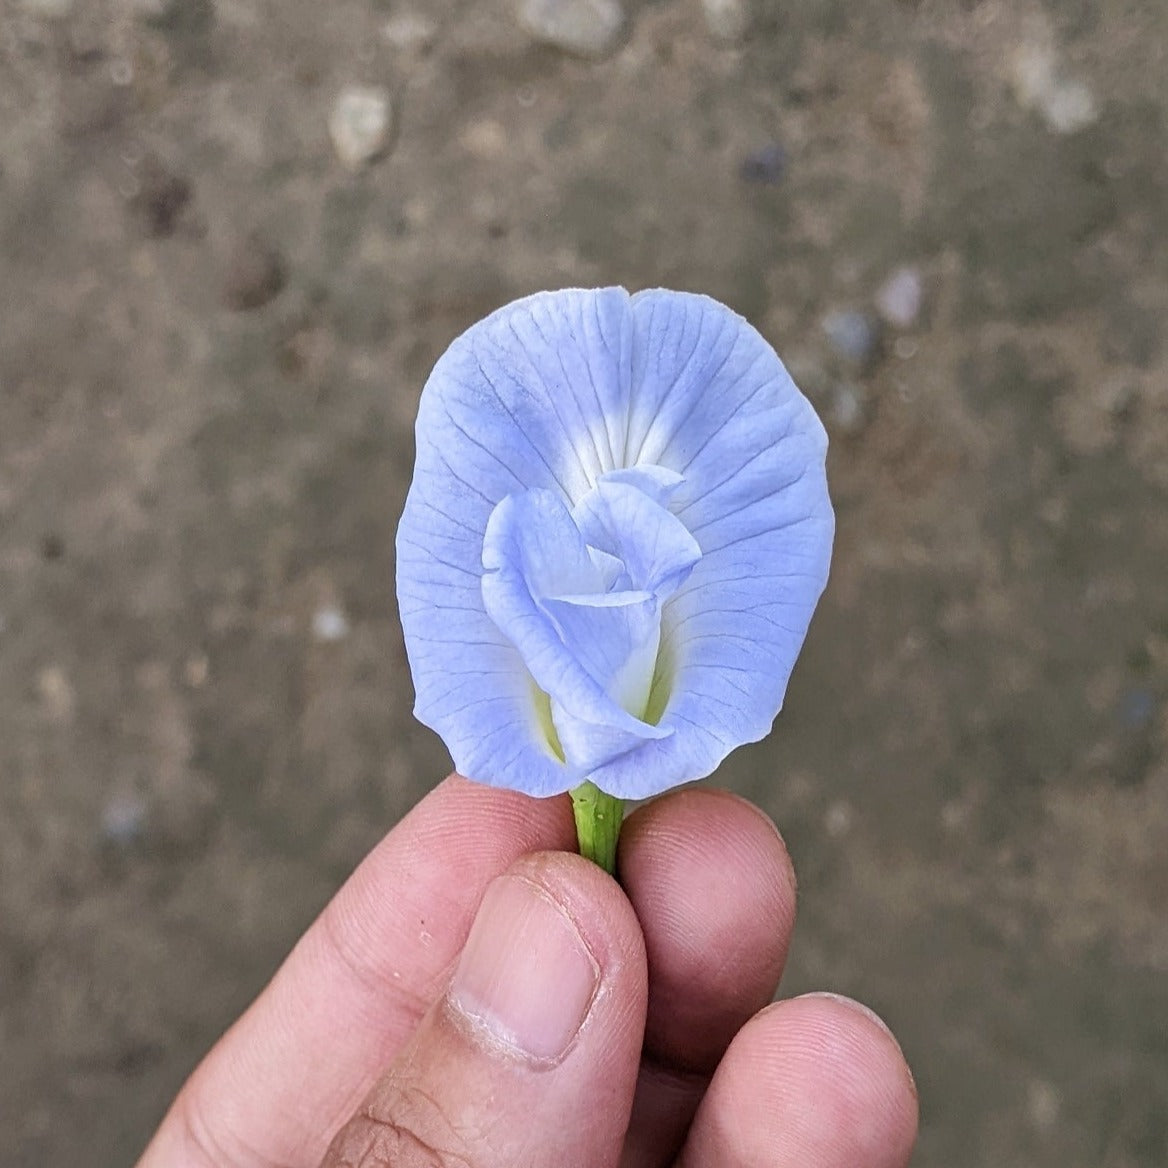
477	996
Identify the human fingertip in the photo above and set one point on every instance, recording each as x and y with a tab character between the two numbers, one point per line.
850	1004
828	1072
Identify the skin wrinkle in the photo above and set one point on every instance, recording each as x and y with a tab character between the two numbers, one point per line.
198	1136
369	1141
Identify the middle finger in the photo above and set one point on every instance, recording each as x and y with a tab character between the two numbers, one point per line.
714	890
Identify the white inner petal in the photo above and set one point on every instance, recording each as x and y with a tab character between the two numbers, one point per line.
580	595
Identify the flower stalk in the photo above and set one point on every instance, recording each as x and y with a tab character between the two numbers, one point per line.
598	823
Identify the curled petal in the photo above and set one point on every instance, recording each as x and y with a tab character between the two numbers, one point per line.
520	400
712	401
621	520
572	659
614	635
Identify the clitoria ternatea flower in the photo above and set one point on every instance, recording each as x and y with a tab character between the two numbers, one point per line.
616	535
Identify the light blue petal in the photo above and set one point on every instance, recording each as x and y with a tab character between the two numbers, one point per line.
668	396
523	399
621	519
527	536
712	401
603	632
593	745
615	636
658	482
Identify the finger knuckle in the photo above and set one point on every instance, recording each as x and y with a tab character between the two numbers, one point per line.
417	1134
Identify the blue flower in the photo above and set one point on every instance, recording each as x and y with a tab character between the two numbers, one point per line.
615	538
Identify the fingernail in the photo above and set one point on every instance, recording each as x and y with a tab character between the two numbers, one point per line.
525	977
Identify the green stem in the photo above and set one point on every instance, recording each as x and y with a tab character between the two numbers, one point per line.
598	824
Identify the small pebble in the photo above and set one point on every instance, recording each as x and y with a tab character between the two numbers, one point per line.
485	138
837	822
255	274
329	624
159	197
848	411
728	20
1043	1105
1065	104
409	32
153	10
196	670
587	28
121	72
360	124
123	820
766	166
899	299
56	693
1137	707
852	335
955	815
49	9
186	17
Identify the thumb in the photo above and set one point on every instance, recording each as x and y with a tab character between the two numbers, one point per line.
530	1058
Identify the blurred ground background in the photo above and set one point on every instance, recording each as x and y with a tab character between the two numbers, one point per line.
213	333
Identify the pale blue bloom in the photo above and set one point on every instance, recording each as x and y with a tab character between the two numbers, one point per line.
616	535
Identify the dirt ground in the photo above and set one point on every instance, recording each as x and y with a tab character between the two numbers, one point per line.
212	339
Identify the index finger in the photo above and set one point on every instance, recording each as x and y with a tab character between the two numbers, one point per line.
287	1075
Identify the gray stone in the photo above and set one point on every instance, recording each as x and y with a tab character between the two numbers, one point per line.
49	9
160	197
852	335
360	124
176	18
587	28
255	274
765	166
1065	103
329	624
123	820
848	411
899	299
728	20
154	11
409	32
